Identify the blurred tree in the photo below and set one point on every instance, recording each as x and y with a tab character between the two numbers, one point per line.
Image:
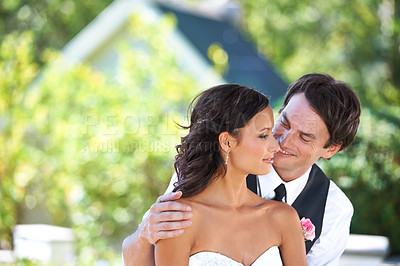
53	23
356	42
369	174
17	70
94	150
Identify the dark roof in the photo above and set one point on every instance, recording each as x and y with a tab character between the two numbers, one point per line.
246	65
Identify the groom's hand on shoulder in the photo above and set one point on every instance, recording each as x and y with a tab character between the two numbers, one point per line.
167	217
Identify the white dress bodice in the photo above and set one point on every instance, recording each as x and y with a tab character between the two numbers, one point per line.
270	257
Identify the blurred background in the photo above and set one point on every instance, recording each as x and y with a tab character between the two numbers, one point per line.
90	92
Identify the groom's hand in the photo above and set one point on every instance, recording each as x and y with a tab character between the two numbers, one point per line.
167	218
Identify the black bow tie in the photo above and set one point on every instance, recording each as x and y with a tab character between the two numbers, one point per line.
280	193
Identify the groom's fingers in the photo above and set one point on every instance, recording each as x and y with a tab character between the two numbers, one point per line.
169	206
169	234
169	230
167	202
170	196
168	216
162	230
154	236
169	226
173	216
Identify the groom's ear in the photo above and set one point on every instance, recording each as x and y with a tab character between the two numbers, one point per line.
331	150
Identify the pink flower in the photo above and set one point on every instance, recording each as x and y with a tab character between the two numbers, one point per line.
308	229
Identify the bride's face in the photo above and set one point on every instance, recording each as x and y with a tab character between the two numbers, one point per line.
253	153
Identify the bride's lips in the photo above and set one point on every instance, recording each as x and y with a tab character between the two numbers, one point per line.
268	160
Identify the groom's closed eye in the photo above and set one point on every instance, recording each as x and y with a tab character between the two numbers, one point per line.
285	121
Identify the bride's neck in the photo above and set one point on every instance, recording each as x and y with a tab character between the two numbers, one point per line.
229	190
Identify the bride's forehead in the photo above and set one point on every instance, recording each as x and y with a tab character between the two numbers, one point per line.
263	119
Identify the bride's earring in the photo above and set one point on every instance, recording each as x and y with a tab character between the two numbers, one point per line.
227	157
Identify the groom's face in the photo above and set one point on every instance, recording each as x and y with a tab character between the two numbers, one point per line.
301	135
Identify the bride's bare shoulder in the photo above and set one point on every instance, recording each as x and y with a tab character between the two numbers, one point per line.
195	206
282	213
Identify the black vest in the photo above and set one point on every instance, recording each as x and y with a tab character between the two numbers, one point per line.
311	201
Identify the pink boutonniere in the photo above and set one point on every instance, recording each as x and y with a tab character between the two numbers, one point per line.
308	229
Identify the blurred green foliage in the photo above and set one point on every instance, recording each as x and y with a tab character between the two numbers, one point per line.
54	22
354	41
17	71
96	150
369	173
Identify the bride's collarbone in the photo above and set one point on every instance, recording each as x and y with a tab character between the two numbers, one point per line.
246	218
242	214
249	208
243	230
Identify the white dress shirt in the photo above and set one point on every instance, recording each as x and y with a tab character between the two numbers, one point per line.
293	188
336	223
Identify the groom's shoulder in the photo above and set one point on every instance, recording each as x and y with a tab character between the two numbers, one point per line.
337	199
337	193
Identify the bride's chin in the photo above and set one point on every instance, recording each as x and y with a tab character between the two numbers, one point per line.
265	171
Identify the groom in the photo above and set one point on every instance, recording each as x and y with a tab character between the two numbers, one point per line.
318	118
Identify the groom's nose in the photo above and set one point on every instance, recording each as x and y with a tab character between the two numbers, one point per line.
286	138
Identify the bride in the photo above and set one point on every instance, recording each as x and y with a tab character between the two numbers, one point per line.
230	136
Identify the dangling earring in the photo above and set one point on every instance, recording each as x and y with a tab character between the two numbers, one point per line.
227	157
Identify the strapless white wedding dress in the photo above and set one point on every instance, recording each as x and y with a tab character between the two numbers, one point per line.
271	257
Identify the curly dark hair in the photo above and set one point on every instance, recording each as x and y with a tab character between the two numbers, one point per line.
223	108
334	101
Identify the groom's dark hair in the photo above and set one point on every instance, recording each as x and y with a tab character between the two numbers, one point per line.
334	101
